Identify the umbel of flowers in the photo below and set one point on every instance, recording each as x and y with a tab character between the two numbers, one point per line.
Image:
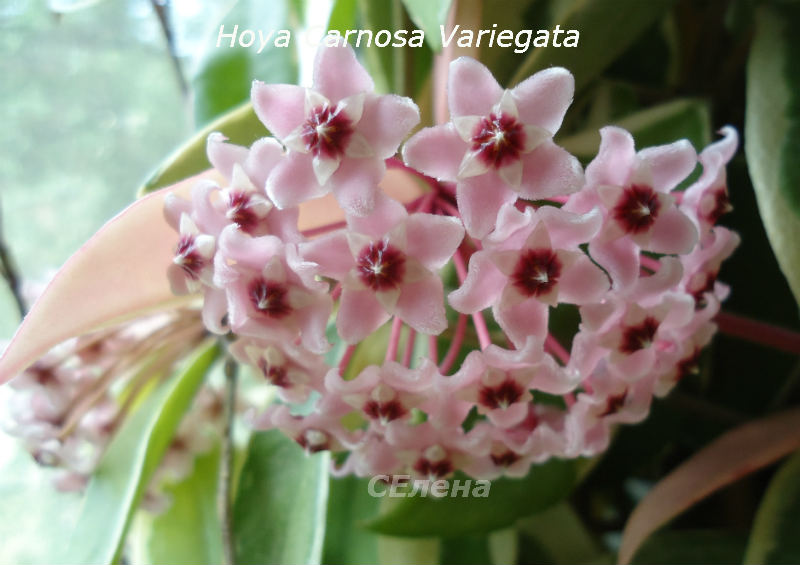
526	305
525	230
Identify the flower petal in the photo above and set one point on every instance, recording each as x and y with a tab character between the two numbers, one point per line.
543	99
432	240
669	164
480	289
338	74
550	170
293	181
223	156
359	315
355	185
479	200
421	305
673	232
386	121
436	151
521	320
281	107
471	88
614	160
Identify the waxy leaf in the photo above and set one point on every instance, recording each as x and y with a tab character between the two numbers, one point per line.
730	457
346	539
428	15
453	516
279	512
772	133
188	532
117	486
119	273
241	126
661	124
774	538
606	29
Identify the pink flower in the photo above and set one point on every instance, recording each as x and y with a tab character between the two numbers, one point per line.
532	261
498	145
632	190
387	263
337	133
193	264
271	292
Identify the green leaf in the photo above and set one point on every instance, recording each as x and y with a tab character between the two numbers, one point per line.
661	124
774	537
346	539
561	533
225	73
508	500
692	546
189	531
279	512
117	485
343	16
772	132
606	30
428	15
241	126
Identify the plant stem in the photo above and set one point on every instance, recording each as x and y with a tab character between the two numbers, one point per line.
226	464
9	272
455	344
394	339
759	332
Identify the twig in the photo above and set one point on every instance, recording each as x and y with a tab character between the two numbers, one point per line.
226	464
9	272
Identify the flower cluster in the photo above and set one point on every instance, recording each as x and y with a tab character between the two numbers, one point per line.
509	215
68	405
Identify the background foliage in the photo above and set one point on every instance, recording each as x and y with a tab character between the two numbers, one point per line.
664	69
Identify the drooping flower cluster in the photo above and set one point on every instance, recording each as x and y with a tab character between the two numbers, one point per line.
508	214
68	405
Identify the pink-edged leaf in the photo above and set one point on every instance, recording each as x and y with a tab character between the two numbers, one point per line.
727	459
119	272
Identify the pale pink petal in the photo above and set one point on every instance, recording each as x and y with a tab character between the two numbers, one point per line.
481	288
471	88
355	185
223	156
522	320
614	160
479	201
582	283
293	181
421	305
669	164
264	155
436	151
174	208
509	417
543	99
672	232
253	252
331	253
337	74
432	240
620	258
359	315
550	170
386	122
215	309
386	214
726	146
568	230
312	321
281	107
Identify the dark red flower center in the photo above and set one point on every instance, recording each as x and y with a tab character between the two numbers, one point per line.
639	337
500	396
188	258
277	376
313	440
615	403
498	139
437	469
240	213
637	208
381	266
537	272
505	459
722	205
689	365
270	298
384	411
326	132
